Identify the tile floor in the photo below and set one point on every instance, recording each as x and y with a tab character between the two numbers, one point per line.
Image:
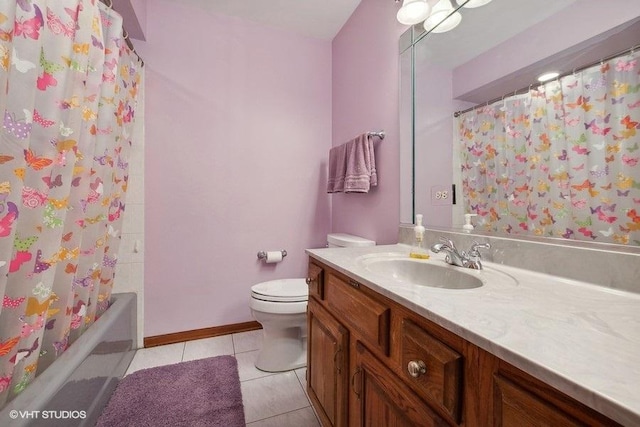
277	400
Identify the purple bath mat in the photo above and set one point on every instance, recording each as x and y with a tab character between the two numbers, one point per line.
203	392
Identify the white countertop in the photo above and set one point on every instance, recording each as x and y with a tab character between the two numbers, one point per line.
582	339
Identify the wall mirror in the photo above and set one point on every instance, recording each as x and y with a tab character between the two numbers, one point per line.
497	51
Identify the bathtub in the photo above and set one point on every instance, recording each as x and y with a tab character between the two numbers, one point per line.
76	387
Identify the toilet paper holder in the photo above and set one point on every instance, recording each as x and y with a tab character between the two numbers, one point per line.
263	254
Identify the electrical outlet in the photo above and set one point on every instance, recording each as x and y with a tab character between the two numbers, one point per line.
440	195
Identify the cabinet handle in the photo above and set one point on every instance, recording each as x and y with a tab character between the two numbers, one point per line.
354	284
353	381
337	364
416	368
309	280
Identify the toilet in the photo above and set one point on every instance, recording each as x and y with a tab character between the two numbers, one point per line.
280	306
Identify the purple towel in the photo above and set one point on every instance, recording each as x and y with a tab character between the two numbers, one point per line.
352	166
337	169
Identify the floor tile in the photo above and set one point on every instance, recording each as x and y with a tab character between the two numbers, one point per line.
156	356
246	366
247	341
208	347
300	418
273	395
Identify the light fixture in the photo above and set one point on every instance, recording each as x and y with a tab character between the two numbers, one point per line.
548	76
413	12
442	19
473	3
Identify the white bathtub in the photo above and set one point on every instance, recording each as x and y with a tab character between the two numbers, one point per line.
77	386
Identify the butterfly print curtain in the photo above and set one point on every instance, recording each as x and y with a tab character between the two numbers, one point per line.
561	160
68	89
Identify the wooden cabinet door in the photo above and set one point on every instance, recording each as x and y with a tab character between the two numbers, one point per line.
327	365
383	400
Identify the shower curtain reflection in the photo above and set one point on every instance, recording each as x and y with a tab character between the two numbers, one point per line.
561	160
69	89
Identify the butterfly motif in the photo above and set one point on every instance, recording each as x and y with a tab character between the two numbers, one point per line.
599	173
35	307
61	346
41	290
7	221
21	65
70	268
628	123
4	159
587	232
617	100
82	48
595	129
4	383
32	198
49	217
622	65
109	262
7	346
30	27
46	80
29	328
50	324
97	43
634	105
45	123
19	128
53	183
12	303
24	353
19	258
630	161
40	265
58	27
34	162
24	244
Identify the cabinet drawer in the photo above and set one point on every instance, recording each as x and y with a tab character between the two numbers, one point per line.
437	369
359	311
314	280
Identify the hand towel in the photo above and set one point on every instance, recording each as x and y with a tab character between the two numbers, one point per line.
360	173
337	169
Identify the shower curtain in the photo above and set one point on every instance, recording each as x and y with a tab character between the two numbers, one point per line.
68	89
561	160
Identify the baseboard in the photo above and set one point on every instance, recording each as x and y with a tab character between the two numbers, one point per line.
197	334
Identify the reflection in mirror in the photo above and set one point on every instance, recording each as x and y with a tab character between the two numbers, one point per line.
518	41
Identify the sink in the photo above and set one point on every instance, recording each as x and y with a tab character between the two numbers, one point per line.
421	272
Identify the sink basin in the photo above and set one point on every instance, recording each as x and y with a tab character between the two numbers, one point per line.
421	272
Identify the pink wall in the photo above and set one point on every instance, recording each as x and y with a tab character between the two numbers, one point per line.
580	21
238	128
365	97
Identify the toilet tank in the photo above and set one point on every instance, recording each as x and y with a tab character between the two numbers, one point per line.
343	240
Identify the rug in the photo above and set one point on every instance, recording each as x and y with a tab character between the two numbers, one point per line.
203	392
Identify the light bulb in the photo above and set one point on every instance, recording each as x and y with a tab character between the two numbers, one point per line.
413	12
437	23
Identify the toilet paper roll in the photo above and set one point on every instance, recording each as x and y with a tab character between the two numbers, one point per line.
273	256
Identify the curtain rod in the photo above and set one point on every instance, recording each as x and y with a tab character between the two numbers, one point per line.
528	88
125	34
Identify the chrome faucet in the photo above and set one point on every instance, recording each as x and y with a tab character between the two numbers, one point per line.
461	259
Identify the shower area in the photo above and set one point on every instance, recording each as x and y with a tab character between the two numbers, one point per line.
70	83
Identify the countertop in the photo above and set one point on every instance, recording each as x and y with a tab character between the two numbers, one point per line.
580	338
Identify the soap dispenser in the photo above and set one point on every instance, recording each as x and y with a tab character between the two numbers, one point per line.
467	222
418	250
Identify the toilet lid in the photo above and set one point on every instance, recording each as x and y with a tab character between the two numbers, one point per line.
283	290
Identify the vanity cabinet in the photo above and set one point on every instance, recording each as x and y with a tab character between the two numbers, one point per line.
374	362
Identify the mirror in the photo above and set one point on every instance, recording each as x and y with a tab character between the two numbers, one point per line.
498	48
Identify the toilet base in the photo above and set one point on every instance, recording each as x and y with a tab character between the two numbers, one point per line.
282	350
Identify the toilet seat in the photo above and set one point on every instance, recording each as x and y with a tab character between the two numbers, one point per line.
282	290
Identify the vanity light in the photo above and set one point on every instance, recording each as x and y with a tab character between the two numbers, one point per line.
413	12
441	10
473	3
548	76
